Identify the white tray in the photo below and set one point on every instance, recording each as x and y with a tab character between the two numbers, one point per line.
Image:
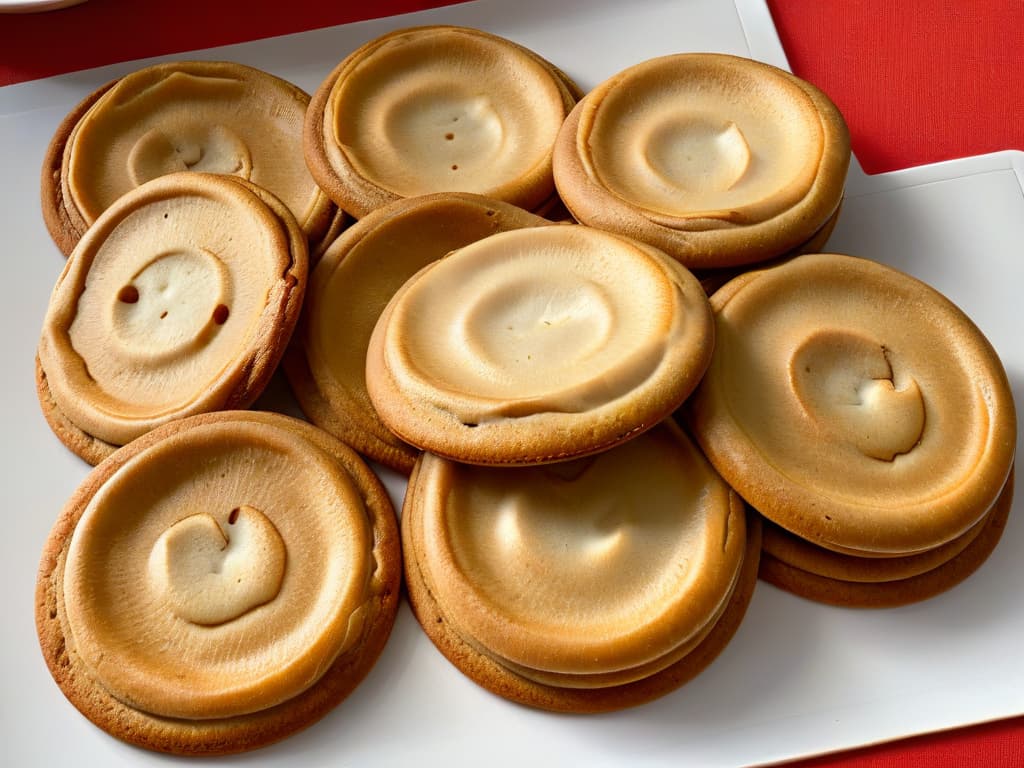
798	679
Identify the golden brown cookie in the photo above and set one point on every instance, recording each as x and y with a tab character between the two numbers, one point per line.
179	299
718	160
583	586
923	584
195	598
360	272
215	117
854	406
437	109
792	550
538	345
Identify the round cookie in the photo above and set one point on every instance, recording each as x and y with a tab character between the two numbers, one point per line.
563	586
889	593
180	299
717	160
280	601
538	345
216	117
437	109
349	289
854	406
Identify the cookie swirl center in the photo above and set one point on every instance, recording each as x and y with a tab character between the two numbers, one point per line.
699	155
191	147
541	320
211	571
847	384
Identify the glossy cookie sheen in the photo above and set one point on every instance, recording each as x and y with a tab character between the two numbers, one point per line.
212	117
350	287
180	299
718	160
436	109
854	406
538	345
578	585
199	548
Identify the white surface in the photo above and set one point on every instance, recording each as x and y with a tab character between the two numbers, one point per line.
798	678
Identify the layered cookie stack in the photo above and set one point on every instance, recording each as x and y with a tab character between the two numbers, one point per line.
566	546
178	300
437	109
194	597
866	417
719	161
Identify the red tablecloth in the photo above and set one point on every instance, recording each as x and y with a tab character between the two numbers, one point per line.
918	80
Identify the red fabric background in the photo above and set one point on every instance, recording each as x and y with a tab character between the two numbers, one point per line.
99	32
918	80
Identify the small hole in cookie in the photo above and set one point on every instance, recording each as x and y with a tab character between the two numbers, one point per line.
490	213
469	424
165	215
220	314
233	516
455	167
449	136
129	294
163	314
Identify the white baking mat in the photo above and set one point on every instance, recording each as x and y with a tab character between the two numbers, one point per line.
798	679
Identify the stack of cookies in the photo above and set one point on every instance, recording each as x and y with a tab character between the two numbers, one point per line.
567	542
566	545
868	419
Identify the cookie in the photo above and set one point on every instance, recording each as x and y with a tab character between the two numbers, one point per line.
200	543
538	345
854	406
348	290
876	592
215	117
717	160
179	299
437	109
584	586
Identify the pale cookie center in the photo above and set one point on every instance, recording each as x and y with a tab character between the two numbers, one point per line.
847	385
207	148
174	304
211	575
699	155
600	534
446	133
537	325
